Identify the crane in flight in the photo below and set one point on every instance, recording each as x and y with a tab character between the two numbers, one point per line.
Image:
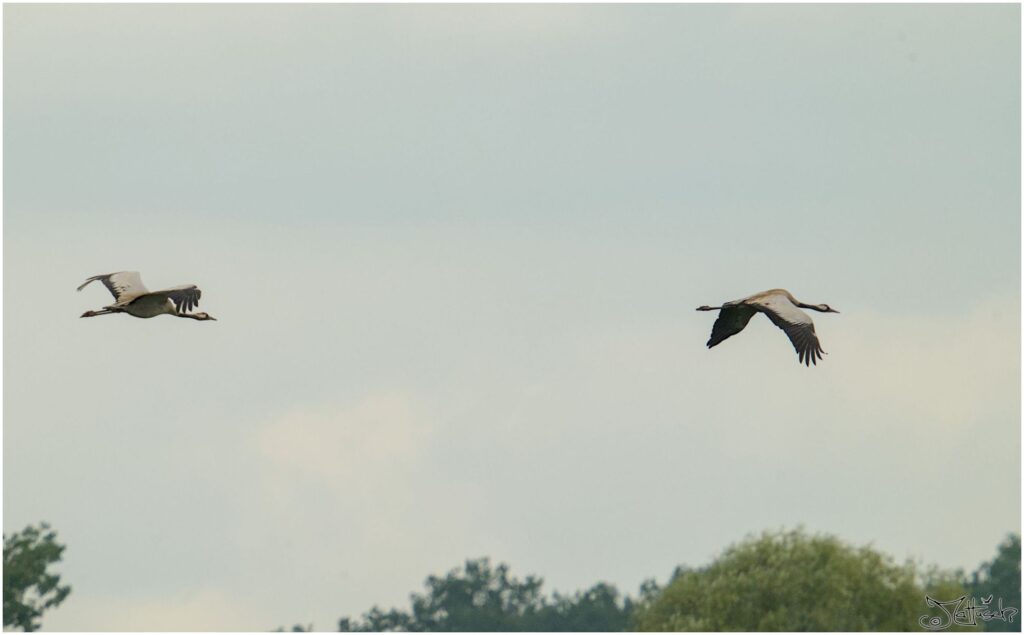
782	309
132	297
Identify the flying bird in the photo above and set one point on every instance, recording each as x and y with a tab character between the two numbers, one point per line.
784	312
132	297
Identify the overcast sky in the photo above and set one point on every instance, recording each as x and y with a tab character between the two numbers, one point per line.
454	252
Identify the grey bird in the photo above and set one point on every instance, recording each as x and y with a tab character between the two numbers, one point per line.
782	309
132	297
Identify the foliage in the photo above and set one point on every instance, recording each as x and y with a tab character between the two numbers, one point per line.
28	588
775	581
1000	578
480	597
599	608
789	581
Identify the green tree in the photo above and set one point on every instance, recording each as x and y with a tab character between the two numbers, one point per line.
479	597
29	589
600	608
1000	579
794	582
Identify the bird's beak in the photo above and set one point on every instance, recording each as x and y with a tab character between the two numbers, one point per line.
833	310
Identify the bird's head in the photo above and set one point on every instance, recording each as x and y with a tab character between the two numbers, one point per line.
827	309
203	316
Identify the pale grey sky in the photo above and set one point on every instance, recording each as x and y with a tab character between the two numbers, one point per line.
454	252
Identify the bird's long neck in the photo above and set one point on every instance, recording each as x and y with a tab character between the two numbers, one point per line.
817	307
190	315
95	313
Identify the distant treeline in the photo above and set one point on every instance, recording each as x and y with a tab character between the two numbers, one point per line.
783	581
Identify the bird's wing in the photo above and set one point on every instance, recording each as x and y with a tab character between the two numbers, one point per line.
797	325
185	297
731	320
121	284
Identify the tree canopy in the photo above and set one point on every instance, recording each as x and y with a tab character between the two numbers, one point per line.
479	597
1000	580
29	589
786	580
790	581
